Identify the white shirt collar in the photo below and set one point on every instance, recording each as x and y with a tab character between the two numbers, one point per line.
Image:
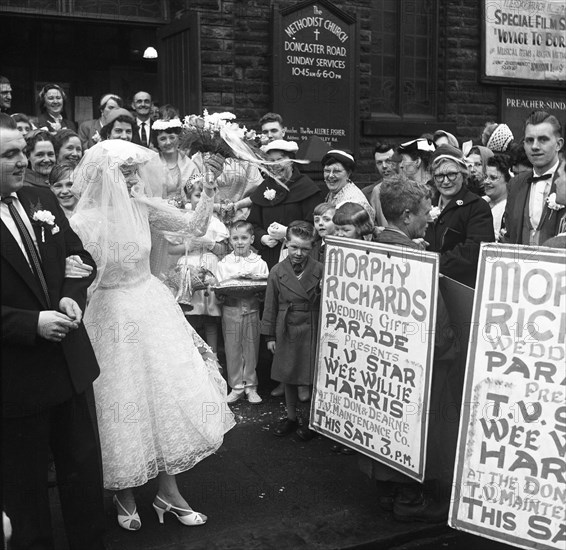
551	170
12	194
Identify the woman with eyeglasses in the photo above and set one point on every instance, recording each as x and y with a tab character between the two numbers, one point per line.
337	167
460	220
495	186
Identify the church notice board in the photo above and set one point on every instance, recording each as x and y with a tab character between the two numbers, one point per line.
375	351
315	72
510	476
524	41
516	104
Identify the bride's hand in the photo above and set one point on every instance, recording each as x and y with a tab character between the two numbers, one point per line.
131	181
129	171
215	164
75	268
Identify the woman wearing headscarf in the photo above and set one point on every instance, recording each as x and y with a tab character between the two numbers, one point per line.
461	220
442	137
497	137
158	378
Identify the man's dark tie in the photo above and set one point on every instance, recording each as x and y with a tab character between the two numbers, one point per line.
143	134
30	249
534	179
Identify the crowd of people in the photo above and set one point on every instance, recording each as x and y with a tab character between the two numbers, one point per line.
105	230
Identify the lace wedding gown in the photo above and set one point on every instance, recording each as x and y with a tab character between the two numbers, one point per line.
160	405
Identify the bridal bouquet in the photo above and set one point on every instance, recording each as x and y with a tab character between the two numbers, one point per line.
218	134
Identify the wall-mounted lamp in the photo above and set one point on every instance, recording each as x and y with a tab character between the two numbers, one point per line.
150	53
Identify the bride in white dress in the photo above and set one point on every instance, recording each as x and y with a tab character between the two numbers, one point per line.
160	398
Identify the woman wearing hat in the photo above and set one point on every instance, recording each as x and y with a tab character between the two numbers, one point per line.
89	130
461	220
275	206
337	167
178	172
415	159
442	137
497	137
120	124
165	135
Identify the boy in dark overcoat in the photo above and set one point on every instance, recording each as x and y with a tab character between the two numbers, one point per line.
290	321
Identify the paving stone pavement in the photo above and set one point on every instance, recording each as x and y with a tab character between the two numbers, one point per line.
264	492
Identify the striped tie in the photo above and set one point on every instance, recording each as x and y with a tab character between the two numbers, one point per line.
31	251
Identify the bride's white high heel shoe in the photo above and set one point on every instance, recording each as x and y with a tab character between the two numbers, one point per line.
191	517
125	520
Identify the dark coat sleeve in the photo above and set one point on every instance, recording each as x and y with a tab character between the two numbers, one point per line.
76	288
518	190
256	219
309	204
461	261
271	306
45	121
20	324
37	373
299	204
86	131
446	346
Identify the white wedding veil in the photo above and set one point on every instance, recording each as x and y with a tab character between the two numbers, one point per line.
113	227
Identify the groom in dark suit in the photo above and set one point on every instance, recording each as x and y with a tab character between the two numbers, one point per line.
528	219
48	364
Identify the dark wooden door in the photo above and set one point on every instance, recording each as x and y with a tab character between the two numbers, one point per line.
179	64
